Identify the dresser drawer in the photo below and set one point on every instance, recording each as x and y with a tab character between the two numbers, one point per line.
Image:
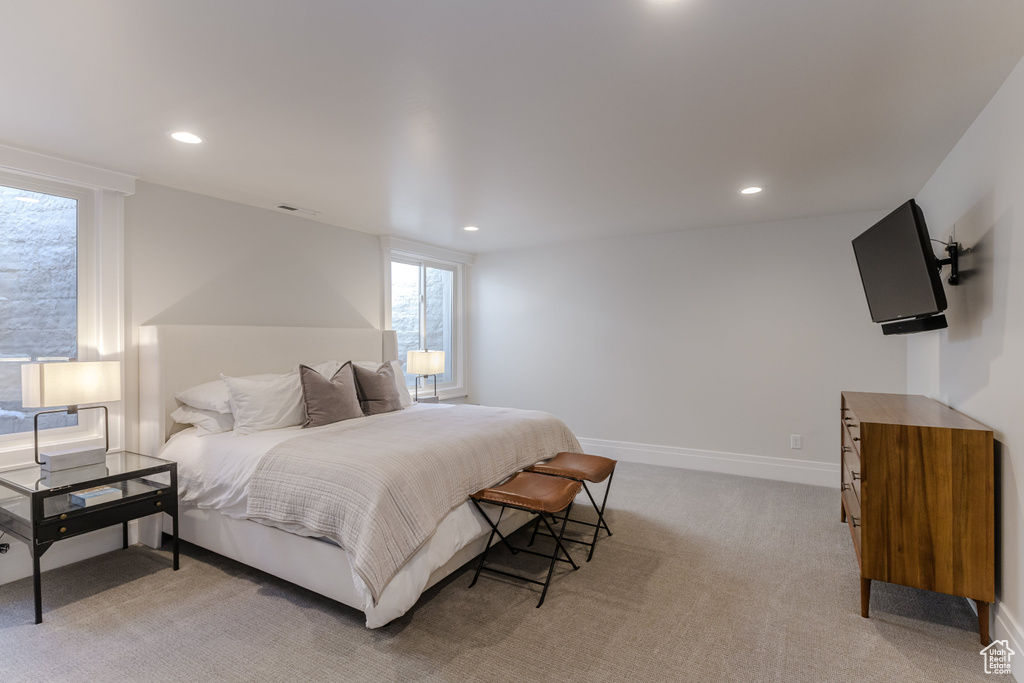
851	452
851	480
852	506
852	427
848	413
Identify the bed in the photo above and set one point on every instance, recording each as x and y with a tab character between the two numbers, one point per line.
173	358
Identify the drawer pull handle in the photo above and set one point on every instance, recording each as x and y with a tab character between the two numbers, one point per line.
856	438
855	475
844	486
159	503
855	521
64	516
846	449
63	529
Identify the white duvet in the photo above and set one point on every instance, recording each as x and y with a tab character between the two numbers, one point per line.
214	473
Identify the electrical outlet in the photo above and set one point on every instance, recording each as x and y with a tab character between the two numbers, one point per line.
795	441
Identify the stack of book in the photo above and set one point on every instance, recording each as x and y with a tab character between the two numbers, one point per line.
95	495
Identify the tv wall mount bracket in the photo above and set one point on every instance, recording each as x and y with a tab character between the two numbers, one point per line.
954	251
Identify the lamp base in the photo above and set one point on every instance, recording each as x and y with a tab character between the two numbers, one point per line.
75	475
71	457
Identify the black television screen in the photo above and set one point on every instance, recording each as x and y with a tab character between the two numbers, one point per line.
898	268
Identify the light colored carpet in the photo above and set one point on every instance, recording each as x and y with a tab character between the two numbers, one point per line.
708	577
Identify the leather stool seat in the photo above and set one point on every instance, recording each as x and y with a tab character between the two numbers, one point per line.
581	467
577	466
531	492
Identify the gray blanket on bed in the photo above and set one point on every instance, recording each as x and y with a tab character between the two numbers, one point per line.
380	485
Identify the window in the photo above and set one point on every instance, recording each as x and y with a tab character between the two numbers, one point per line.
425	306
61	288
421	310
38	295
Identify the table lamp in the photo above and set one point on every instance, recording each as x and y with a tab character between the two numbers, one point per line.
424	364
71	384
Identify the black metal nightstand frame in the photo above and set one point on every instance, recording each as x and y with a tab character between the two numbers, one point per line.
40	531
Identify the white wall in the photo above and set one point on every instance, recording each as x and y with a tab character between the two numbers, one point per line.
977	365
192	259
707	348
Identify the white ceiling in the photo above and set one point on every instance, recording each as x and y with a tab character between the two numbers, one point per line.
538	120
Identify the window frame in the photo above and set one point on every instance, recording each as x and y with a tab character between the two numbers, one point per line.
414	253
100	195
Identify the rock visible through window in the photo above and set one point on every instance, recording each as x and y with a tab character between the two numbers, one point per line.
422	297
38	295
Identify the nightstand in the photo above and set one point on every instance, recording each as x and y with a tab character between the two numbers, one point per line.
36	506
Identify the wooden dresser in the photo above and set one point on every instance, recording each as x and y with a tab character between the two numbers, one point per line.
918	484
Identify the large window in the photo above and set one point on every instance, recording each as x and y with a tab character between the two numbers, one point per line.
421	310
38	295
61	289
425	307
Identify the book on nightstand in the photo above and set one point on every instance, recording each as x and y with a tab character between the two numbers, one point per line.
95	496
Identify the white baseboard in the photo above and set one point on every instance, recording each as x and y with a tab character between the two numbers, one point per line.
762	467
1007	628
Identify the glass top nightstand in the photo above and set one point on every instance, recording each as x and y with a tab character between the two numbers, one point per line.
40	508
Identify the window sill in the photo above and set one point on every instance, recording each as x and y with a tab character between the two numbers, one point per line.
443	394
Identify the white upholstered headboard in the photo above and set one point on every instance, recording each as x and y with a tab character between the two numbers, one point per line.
175	357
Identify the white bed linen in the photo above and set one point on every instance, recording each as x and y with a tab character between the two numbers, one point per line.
214	471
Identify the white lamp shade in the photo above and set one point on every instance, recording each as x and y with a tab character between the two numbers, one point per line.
425	362
45	385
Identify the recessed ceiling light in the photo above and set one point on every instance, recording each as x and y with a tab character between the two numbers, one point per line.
751	190
183	136
471	228
29	200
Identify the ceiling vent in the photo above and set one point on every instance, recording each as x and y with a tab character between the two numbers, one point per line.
298	210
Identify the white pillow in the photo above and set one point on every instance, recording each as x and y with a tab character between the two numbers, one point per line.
403	389
258	405
208	421
213	395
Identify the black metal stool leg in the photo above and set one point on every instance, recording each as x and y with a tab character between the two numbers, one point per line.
494	525
487	548
554	553
536	526
561	537
600	514
604	502
600	510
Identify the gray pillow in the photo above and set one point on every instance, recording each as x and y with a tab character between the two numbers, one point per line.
329	400
378	392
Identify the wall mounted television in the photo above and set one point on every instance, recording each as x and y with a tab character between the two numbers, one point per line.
900	272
